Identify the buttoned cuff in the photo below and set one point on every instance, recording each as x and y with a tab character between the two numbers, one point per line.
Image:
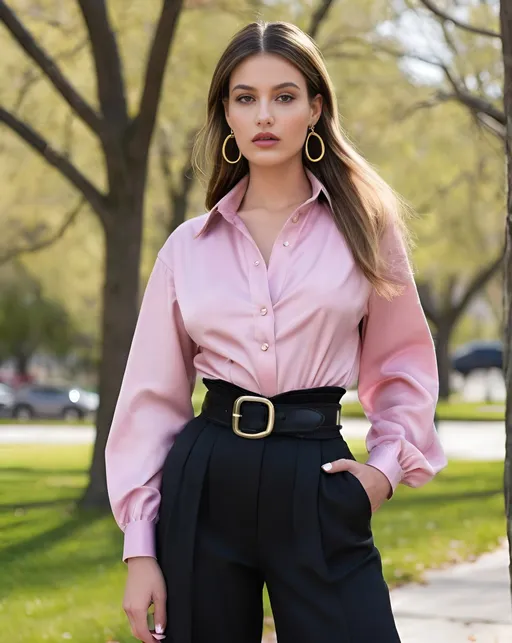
139	539
382	458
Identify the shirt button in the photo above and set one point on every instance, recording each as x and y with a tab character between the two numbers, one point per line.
263	311
286	243
256	263
264	347
295	218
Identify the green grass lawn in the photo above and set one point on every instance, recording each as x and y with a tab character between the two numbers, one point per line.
453	410
61	577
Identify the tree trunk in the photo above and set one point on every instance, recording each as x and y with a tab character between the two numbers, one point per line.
506	31
120	310
179	210
125	141
444	331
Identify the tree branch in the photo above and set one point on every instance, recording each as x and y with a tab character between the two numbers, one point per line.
476	103
415	107
107	62
331	43
378	46
31	76
57	160
144	122
35	15
492	125
460	94
319	16
50	69
481	31
442	191
478	282
45	243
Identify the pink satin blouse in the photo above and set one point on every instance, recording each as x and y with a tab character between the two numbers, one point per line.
212	309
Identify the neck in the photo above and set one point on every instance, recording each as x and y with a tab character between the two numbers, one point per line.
277	188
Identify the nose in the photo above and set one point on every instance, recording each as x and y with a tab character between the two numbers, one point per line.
264	117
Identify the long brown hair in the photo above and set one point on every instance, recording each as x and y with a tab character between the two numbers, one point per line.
363	204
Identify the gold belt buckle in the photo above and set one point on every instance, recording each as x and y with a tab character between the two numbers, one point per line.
237	415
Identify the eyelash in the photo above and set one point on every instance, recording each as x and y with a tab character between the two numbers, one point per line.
289	96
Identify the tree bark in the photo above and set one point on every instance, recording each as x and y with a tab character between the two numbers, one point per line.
119	316
179	206
506	33
319	17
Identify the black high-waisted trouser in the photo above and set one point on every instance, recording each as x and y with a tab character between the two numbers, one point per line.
237	513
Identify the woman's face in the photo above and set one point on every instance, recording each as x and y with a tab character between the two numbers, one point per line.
268	95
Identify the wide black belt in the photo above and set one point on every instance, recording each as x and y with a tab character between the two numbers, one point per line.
305	413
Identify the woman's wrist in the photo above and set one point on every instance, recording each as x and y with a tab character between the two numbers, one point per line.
130	561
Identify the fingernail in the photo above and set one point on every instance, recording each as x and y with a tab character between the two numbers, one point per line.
159	629
327	466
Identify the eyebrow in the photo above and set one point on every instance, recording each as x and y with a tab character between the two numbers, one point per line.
280	86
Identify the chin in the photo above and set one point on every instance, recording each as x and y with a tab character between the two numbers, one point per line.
267	159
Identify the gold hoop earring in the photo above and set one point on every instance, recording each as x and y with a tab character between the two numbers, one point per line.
313	133
224	149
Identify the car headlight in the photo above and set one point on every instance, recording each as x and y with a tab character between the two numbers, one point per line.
74	395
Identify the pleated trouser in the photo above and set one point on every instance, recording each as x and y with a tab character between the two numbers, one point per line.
238	513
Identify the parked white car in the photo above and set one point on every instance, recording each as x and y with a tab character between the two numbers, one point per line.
66	402
6	400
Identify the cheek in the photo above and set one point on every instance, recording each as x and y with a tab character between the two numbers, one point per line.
239	117
295	126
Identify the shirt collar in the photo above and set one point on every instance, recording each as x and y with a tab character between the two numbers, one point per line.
229	204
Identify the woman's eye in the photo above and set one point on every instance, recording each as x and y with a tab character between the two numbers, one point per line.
284	98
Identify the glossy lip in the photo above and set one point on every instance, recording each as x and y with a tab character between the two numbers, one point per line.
262	143
263	135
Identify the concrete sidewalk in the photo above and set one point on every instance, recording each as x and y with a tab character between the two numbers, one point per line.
460	440
466	602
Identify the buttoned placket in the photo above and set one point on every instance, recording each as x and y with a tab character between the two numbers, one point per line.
265	287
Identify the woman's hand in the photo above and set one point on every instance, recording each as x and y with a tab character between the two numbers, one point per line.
145	585
375	483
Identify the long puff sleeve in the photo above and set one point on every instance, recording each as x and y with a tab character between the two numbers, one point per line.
398	380
154	404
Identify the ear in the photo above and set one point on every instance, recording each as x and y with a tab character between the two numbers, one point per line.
316	108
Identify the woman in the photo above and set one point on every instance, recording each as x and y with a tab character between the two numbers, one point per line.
294	284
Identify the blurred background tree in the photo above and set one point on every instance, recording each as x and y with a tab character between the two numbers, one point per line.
31	322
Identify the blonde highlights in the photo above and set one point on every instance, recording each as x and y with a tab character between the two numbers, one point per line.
363	204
